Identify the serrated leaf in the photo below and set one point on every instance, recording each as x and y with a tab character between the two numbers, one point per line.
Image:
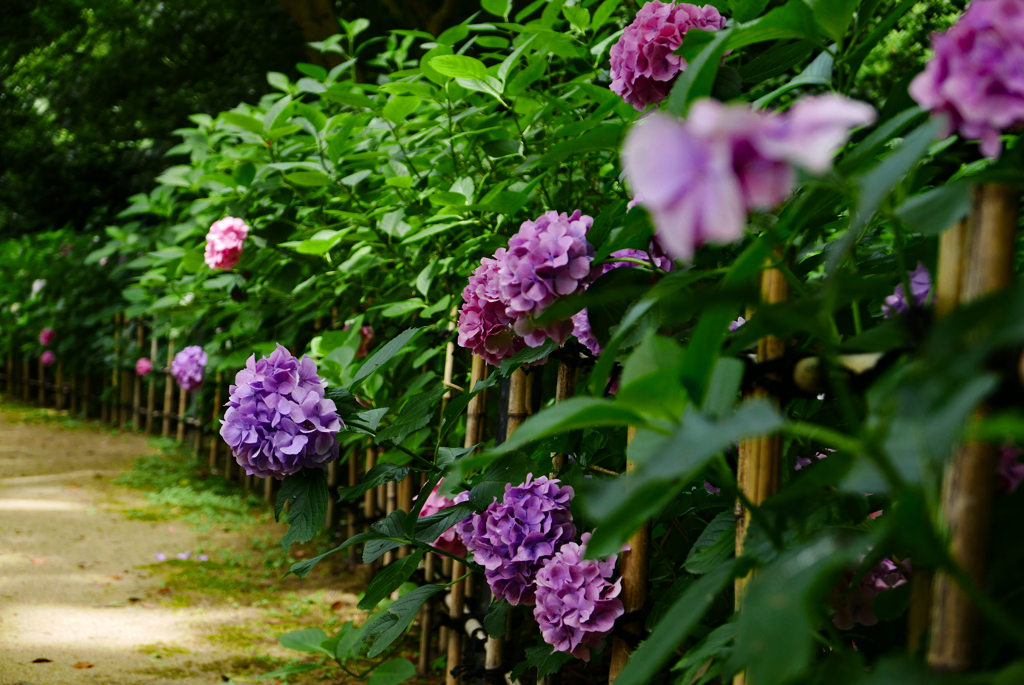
384	354
245	121
545	659
416	413
309	178
399	107
378	475
390	624
459	66
392	672
527	355
430	528
308	640
307	491
495	622
389	527
389	579
714	545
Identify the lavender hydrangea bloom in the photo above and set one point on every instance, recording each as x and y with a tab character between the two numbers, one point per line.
278	420
854	605
187	367
975	77
733	326
920	289
547	259
511	538
576	603
643	63
584	333
484	325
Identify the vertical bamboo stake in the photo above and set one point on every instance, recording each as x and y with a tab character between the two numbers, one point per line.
137	385
391	502
216	414
73	394
268	490
565	387
474	433
197	428
758	468
182	406
10	375
24	378
168	391
115	395
59	389
42	383
988	247
104	405
353	475
87	382
151	384
370	498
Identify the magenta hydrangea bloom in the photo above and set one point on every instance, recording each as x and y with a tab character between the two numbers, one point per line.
143	366
854	606
1010	472
511	538
46	336
47	358
449	540
975	77
484	326
577	604
224	242
278	420
643	66
700	177
187	367
920	289
547	259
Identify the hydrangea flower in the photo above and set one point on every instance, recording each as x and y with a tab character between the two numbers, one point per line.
46	336
224	242
854	606
278	420
37	286
47	358
577	605
484	326
547	259
733	326
974	77
643	63
449	540
584	333
700	177
711	489
187	367
511	538
365	341
1010	472
920	289
143	366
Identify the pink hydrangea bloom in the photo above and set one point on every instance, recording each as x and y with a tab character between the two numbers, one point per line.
920	289
976	76
577	604
547	259
365	341
143	366
47	358
449	540
46	336
854	605
224	242
484	326
643	66
1010	472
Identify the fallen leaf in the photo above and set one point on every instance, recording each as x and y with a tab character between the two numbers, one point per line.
338	606
42	660
299	554
37	561
82	664
114	576
163	591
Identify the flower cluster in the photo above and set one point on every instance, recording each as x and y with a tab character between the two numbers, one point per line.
974	79
143	366
1010	472
577	604
920	289
449	540
547	259
511	538
278	420
484	327
47	358
700	176
643	63
187	367
224	242
853	605
46	336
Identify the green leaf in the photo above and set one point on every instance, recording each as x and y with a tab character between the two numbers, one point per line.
392	672
245	174
745	10
499	8
458	404
378	475
309	178
680	620
429	71
453	35
496	620
604	12
699	76
390	624
279	81
303	568
880	31
430	528
579	17
510	468
817	73
287	671
389	527
792	20
724	387
350	98
308	640
834	16
511	60
459	66
194	259
399	107
416	414
389	579
776	60
243	121
384	354
546	660
527	355
571	414
933	211
307	491
714	545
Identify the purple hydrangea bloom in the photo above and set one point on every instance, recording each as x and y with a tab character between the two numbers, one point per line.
854	605
187	367
976	77
711	489
576	603
584	333
643	63
1010	472
736	324
920	289
484	325
511	538
547	259
278	420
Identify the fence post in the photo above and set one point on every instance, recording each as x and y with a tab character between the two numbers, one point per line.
10	375
115	377
73	394
168	390
42	383
137	385
182	406
353	475
86	388
24	378
216	413
58	383
151	382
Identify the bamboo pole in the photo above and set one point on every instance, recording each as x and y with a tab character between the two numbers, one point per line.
353	476
59	386
151	383
370	498
268	490
24	378
137	385
115	394
758	467
168	391
565	387
42	383
988	249
214	442
182	407
73	394
86	387
10	375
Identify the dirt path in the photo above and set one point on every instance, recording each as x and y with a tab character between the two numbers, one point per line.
83	598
